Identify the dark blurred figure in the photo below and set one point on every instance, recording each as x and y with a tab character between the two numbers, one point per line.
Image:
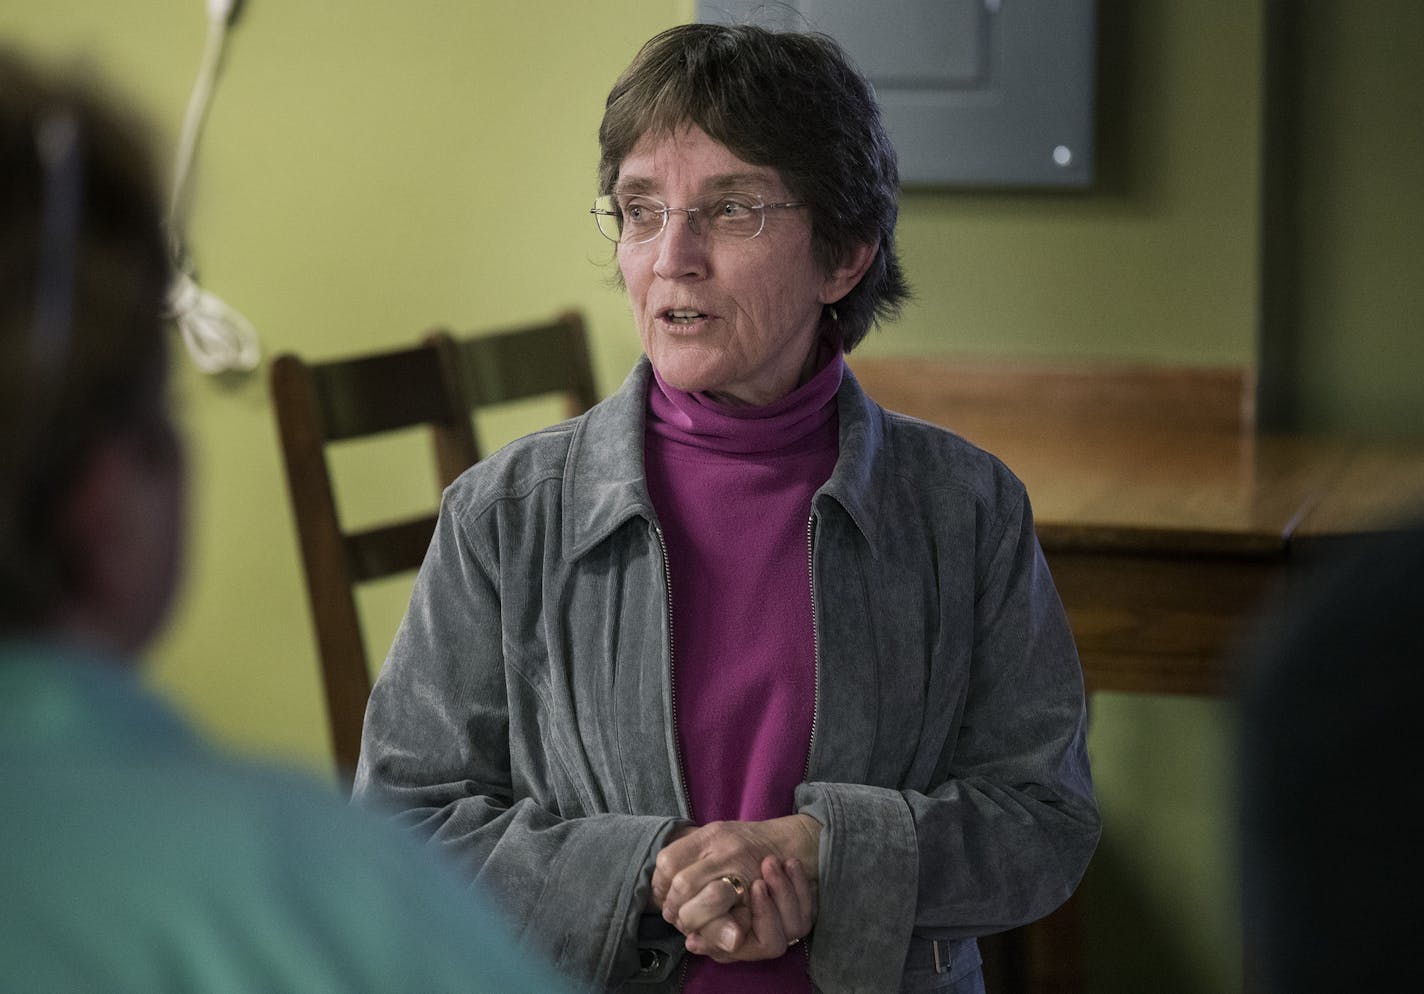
1332	859
131	857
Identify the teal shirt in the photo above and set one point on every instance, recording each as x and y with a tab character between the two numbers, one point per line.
133	858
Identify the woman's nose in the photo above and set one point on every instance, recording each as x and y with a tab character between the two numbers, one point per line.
682	247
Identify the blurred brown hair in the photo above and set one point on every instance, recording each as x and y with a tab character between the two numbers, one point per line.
83	276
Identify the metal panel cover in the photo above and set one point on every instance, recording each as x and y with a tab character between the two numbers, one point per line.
974	92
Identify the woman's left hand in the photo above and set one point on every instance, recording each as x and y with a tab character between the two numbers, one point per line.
690	881
779	912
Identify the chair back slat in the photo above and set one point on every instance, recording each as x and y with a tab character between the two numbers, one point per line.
528	362
378	393
389	549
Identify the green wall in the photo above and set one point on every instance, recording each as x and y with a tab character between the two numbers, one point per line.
1357	201
372	169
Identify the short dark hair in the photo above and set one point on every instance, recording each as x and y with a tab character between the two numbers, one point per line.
80	237
792	101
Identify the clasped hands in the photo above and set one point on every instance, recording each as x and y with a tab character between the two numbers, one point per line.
775	861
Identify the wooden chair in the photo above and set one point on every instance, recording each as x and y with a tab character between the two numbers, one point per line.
436	384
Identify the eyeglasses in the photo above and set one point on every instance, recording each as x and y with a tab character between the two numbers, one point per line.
634	219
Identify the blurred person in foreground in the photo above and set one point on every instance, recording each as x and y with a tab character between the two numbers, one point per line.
739	664
1331	859
132	858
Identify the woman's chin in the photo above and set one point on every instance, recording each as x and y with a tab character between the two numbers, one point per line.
688	376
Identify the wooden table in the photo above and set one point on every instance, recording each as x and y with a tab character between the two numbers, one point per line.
1166	549
1168	522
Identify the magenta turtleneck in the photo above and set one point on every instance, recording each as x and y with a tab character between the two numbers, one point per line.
732	488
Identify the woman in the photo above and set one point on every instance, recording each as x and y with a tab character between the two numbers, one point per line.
739	659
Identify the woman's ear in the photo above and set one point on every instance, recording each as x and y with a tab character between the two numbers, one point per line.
844	276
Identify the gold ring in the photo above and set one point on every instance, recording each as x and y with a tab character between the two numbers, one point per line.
734	882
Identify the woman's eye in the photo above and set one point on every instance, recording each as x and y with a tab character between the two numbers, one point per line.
637	213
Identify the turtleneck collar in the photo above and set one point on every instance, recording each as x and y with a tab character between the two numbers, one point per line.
696	419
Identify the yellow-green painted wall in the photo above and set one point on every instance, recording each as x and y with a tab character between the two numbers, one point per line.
1359	334
371	169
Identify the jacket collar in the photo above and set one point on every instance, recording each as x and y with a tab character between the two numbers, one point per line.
859	480
604	483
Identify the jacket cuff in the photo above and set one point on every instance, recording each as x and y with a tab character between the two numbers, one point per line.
601	949
869	879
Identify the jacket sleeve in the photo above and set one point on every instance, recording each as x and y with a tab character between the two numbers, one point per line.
1005	833
436	750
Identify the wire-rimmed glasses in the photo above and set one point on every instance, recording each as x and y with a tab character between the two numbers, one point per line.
634	218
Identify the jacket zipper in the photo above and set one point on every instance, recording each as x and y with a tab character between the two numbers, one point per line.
815	673
672	697
672	678
815	644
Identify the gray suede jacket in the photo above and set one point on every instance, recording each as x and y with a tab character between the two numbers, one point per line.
524	719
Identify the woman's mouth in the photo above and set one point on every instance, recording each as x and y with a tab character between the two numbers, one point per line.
683	316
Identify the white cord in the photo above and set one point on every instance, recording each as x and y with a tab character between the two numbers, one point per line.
217	337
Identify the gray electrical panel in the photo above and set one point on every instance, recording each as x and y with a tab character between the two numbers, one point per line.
978	93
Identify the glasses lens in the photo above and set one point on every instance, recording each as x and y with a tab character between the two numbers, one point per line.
605	212
736	215
640	218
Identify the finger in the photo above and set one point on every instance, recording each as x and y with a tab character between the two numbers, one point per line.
714	954
722	938
696	895
768	929
782	891
806	892
672	859
657	889
716	899
793	906
700	880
